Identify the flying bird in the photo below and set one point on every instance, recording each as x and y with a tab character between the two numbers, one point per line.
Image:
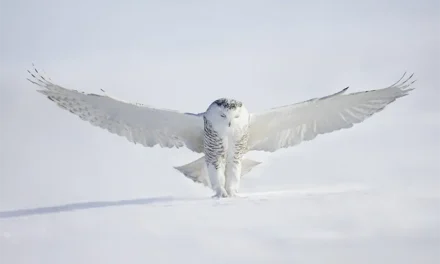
226	131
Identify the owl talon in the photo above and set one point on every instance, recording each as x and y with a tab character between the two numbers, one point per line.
221	193
232	193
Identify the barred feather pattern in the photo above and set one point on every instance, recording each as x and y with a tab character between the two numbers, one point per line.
241	147
213	145
136	122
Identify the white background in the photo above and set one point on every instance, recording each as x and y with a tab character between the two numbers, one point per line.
364	195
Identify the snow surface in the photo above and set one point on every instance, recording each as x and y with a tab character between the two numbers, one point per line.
338	224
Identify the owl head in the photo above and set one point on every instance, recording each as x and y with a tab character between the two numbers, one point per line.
227	112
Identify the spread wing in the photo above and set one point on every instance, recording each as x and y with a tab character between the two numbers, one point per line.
138	123
290	125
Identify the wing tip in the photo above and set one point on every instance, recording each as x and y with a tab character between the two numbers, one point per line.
405	85
37	78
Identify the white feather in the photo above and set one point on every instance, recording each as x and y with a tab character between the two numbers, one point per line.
138	123
290	125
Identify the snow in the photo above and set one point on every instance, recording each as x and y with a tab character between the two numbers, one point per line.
335	223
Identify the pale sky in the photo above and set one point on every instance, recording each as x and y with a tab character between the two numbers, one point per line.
185	54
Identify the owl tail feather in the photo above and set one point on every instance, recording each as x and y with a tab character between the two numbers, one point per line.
197	172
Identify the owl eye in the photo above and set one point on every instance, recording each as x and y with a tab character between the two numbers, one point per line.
223	115
237	116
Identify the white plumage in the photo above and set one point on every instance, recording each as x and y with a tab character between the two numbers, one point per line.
226	131
287	126
136	122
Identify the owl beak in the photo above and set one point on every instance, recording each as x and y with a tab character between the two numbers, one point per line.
229	123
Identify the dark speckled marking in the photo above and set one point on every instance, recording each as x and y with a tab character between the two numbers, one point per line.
213	145
228	103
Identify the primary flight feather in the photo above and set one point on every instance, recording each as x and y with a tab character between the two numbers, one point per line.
138	123
287	126
226	131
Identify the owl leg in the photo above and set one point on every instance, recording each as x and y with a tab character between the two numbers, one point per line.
217	179
233	173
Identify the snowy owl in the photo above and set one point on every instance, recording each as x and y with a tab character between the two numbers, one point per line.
226	131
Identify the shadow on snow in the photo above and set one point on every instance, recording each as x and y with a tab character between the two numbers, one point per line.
88	205
166	200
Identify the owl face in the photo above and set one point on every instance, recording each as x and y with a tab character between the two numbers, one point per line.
227	113
230	115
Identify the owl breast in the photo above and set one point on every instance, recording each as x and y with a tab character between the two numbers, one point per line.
222	146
